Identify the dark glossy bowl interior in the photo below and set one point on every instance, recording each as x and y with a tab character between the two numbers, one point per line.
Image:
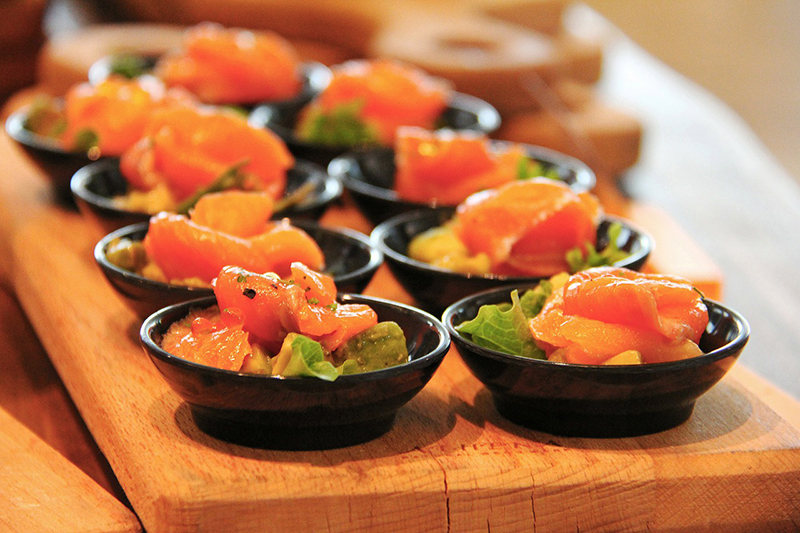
436	288
51	158
349	258
315	77
369	174
463	113
596	400
94	187
299	413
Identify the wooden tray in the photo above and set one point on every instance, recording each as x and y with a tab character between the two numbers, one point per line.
449	463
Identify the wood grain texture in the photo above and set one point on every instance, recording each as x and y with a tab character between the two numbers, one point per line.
44	492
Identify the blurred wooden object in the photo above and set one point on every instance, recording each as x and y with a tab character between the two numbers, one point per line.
21	36
486	48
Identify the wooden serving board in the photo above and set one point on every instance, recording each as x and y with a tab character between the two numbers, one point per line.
449	463
45	492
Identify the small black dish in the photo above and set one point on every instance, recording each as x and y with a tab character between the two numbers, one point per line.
94	187
368	175
349	258
297	413
47	154
463	113
435	288
315	76
596	400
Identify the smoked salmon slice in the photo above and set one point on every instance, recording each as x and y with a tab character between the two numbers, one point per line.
387	93
526	227
184	248
274	307
114	112
447	166
602	312
232	66
189	148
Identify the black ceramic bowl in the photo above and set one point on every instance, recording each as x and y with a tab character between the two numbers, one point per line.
315	76
296	412
349	258
463	113
596	400
368	175
94	187
436	288
47	154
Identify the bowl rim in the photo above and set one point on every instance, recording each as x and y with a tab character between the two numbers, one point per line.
382	230
374	261
153	321
585	178
486	115
332	186
733	346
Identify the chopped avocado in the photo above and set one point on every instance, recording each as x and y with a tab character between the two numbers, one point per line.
381	346
257	362
127	254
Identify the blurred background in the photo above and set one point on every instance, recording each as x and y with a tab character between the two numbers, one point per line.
745	52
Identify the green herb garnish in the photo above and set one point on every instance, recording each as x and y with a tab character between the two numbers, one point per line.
342	126
233	178
528	168
129	66
612	253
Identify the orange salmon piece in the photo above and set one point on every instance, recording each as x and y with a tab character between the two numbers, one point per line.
526	227
233	66
273	307
192	147
184	249
239	213
210	338
116	110
604	311
393	94
447	166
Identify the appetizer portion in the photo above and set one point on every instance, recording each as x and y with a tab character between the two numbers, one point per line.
291	326
446	166
232	66
231	227
103	119
535	227
600	316
367	100
185	152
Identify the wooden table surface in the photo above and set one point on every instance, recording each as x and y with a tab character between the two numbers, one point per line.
735	463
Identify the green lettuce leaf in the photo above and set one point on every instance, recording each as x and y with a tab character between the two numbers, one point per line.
503	329
308	359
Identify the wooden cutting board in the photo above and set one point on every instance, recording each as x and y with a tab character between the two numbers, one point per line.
449	463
